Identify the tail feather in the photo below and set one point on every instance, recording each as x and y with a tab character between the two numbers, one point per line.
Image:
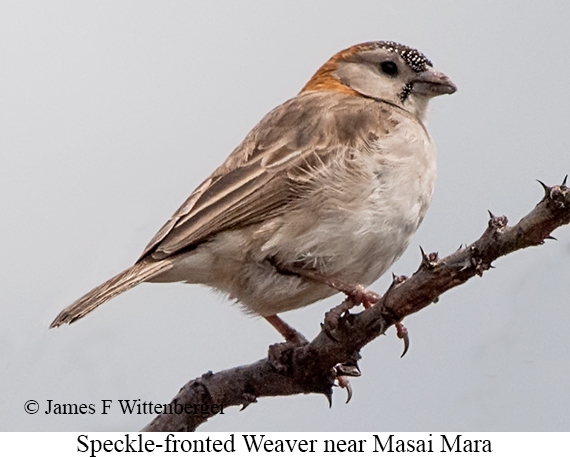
120	283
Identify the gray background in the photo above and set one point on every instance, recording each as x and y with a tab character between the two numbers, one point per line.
111	114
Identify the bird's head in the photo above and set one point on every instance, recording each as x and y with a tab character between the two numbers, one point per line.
386	71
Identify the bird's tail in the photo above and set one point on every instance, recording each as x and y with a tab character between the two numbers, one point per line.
120	283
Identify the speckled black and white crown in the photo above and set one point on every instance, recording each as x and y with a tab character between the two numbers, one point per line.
414	58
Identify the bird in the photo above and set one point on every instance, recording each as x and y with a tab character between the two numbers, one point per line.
323	195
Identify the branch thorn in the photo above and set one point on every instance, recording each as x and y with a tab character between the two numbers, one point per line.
430	260
329	397
545	187
398	279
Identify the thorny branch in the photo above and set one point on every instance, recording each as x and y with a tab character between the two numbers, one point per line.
312	368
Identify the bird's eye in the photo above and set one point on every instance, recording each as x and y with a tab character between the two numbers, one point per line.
389	67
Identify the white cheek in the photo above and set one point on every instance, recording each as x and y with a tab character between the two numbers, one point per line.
419	107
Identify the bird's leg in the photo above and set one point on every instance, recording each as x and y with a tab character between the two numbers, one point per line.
356	293
289	333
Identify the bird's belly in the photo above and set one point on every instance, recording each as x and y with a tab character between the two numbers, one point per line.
359	244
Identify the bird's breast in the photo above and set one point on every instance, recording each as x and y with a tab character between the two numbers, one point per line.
362	213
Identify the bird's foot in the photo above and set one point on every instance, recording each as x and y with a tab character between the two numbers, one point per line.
356	294
279	354
334	318
359	294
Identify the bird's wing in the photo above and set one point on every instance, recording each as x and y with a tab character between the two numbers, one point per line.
257	180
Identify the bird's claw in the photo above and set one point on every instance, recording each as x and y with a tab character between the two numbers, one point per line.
345	384
402	333
342	373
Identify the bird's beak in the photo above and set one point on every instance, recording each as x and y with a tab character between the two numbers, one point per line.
432	83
